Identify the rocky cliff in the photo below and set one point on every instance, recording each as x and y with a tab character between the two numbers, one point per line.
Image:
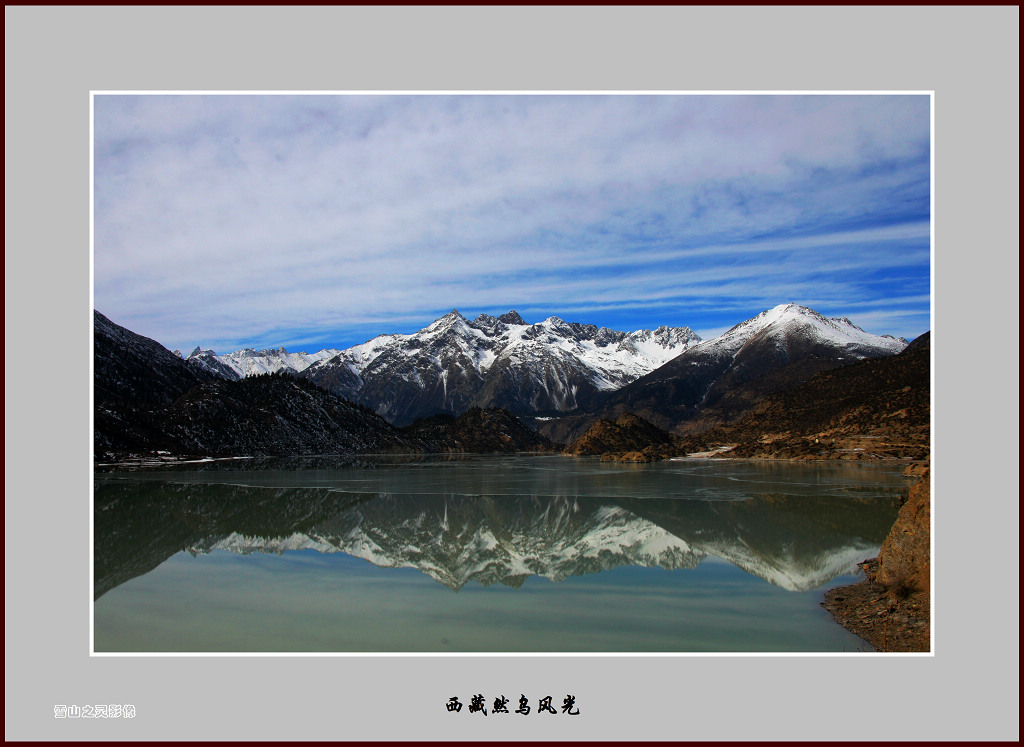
891	607
905	558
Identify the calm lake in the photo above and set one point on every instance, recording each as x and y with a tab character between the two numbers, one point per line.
483	554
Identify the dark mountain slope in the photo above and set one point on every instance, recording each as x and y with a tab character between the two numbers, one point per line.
132	369
133	376
737	402
924	341
478	431
273	414
149	399
876	407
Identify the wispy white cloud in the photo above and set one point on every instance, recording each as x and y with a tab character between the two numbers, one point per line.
234	219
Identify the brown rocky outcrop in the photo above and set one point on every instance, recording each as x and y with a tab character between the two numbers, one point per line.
905	558
915	469
627	433
891	607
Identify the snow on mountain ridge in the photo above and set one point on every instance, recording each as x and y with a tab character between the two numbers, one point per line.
252	362
653	347
791	318
452	364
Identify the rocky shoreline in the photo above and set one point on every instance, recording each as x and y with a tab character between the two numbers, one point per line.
891	607
879	616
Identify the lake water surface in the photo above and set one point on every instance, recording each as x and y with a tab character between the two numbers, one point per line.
483	554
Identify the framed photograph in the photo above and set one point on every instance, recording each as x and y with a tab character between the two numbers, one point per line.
407	372
673	403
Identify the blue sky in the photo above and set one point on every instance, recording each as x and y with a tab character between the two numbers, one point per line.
232	221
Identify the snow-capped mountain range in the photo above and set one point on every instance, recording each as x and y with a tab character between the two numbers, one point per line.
454	364
251	362
554	367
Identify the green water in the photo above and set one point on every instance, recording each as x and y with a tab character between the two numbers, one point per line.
483	554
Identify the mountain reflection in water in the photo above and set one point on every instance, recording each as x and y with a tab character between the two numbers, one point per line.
499	521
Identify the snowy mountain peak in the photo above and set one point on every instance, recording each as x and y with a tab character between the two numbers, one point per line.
667	336
449	320
489	325
265	353
780	312
511	317
492	325
784	307
788	324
